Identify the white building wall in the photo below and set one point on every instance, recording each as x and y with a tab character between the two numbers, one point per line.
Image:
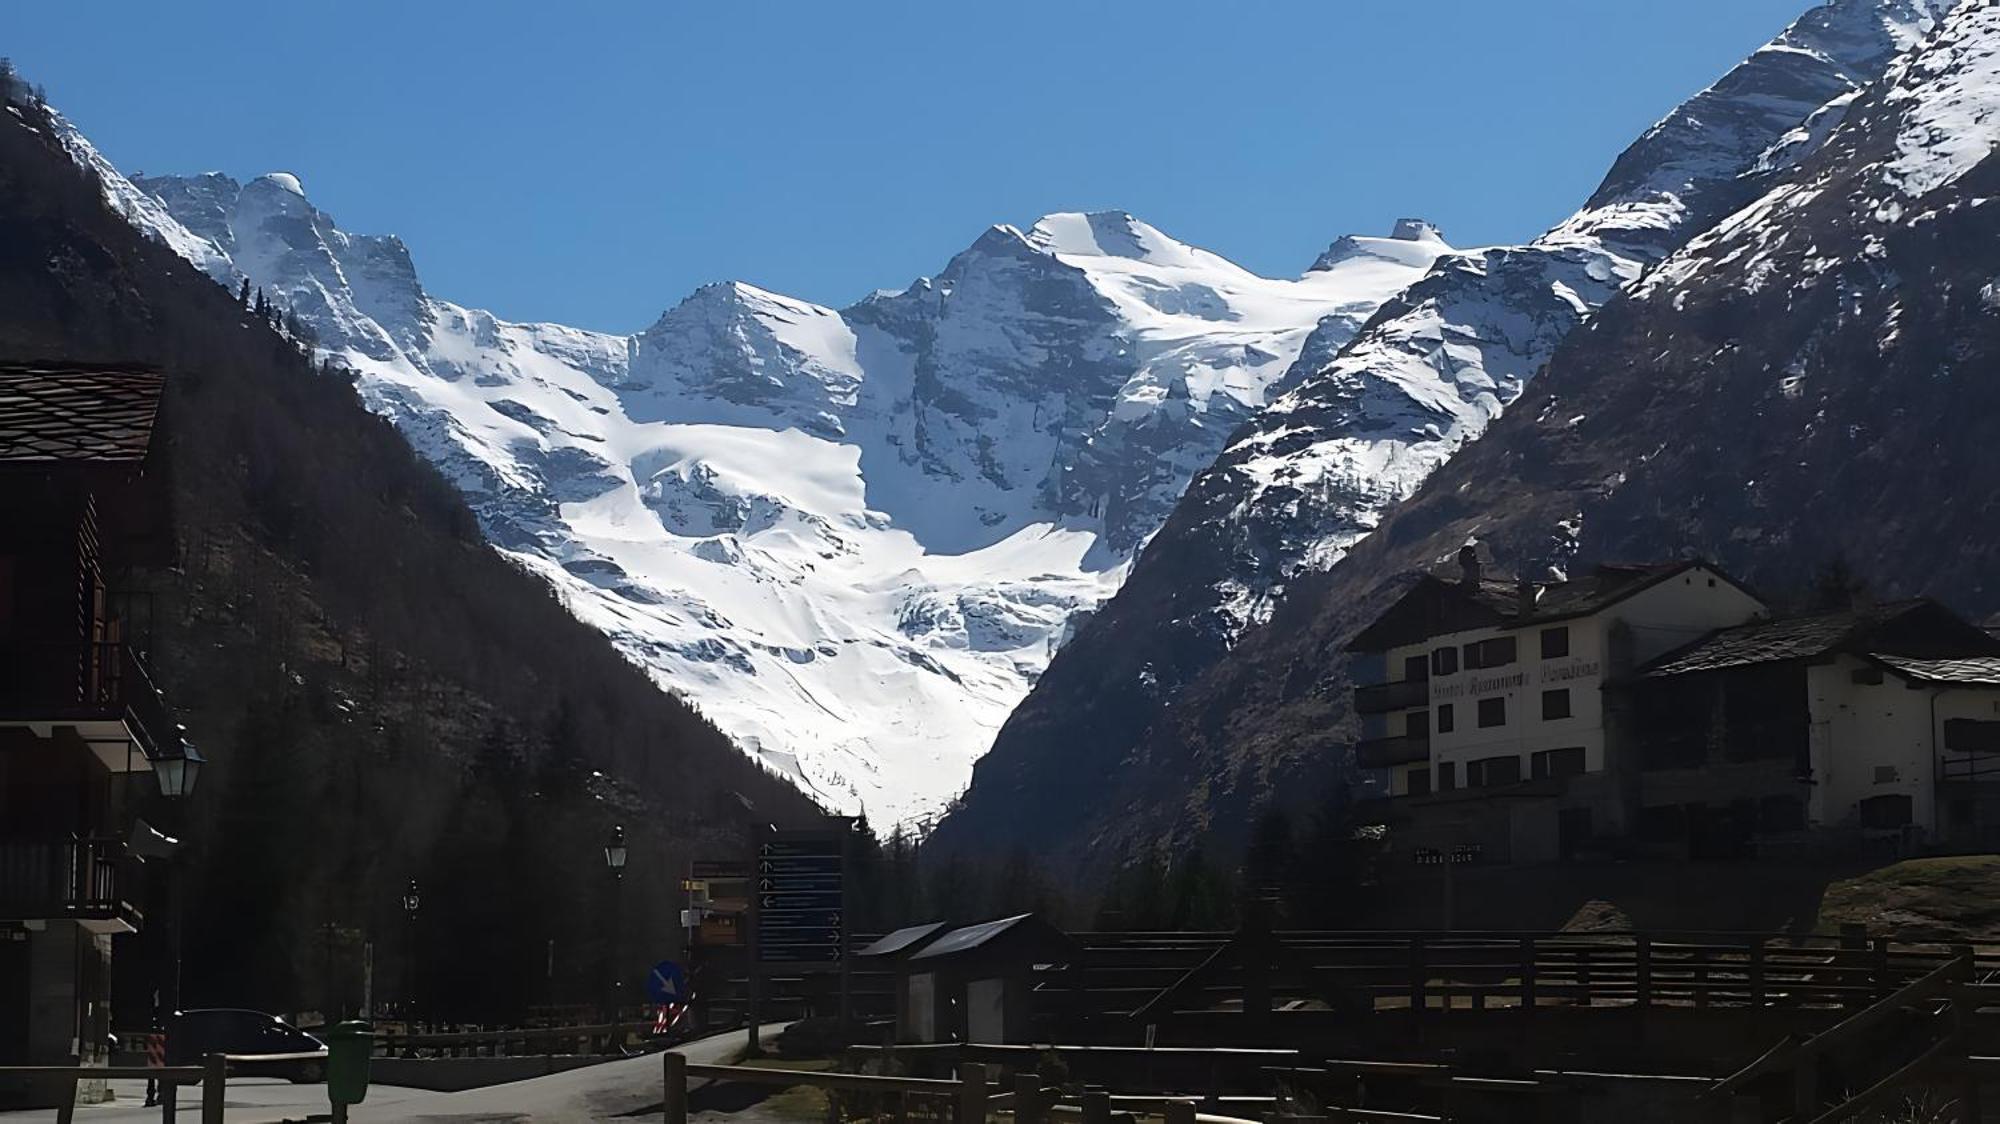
1679	611
1655	620
1868	740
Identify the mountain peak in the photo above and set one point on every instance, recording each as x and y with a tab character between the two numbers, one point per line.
1406	237
1416	230
283	181
1106	234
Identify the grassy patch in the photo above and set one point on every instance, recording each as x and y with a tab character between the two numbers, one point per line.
1953	898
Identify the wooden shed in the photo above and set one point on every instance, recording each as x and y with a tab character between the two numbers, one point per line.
973	984
893	953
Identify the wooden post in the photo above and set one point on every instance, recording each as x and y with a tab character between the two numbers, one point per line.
1698	974
1027	1098
1528	975
1096	1106
1256	945
1805	1086
1419	977
214	1078
676	1087
1583	973
1642	949
971	1094
1883	984
1180	1112
1757	996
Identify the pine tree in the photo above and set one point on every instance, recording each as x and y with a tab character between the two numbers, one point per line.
263	306
243	294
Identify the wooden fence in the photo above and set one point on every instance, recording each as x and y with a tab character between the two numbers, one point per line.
1152	978
212	1074
969	1098
600	1039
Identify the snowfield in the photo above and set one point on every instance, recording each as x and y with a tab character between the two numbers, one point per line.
852	537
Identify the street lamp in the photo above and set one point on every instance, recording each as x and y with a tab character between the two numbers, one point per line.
614	861
614	853
177	774
411	901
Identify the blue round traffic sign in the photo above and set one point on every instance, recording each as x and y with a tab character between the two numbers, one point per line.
666	983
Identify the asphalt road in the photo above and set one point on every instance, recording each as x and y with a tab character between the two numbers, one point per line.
613	1090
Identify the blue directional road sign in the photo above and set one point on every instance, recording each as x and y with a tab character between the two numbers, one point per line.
666	983
798	883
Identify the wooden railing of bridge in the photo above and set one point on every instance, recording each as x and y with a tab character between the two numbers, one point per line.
1152	978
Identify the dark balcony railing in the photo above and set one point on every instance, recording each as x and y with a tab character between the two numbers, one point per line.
75	879
87	680
1403	749
1380	698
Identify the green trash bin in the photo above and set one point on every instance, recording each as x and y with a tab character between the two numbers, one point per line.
349	1046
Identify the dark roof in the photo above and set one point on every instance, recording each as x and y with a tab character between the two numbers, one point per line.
970	937
1601	588
1920	627
1437	605
51	413
902	939
1969	671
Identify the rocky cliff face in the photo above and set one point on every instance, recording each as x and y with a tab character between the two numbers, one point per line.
1360	428
852	537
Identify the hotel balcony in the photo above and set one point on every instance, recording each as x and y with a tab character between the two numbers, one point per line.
1381	753
1381	698
65	880
101	690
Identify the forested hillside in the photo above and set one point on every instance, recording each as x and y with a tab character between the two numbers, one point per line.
336	636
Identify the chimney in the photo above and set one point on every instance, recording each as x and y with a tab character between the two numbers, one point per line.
1468	564
1524	598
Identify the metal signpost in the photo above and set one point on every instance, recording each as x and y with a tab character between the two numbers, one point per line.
797	903
798	900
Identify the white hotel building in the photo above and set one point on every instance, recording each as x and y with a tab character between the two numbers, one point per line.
1661	708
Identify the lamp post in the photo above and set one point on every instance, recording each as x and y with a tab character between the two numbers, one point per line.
614	861
176	776
411	902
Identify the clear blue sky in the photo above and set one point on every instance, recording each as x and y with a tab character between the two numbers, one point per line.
590	162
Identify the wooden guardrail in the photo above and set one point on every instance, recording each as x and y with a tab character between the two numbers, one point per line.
592	1038
1154	980
212	1074
1919	1026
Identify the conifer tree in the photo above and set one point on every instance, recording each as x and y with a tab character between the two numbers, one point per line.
243	294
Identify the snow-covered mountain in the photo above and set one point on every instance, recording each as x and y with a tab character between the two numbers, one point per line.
1359	432
853	537
1359	426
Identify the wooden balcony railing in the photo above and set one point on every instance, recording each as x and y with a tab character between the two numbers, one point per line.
1381	753
1380	698
74	879
87	680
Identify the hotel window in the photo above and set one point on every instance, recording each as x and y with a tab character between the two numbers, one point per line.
1555	642
1497	652
1416	669
1444	661
1492	712
1447	775
1420	782
1490	772
1417	725
1557	762
1555	704
1445	718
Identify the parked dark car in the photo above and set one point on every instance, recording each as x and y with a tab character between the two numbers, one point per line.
191	1035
